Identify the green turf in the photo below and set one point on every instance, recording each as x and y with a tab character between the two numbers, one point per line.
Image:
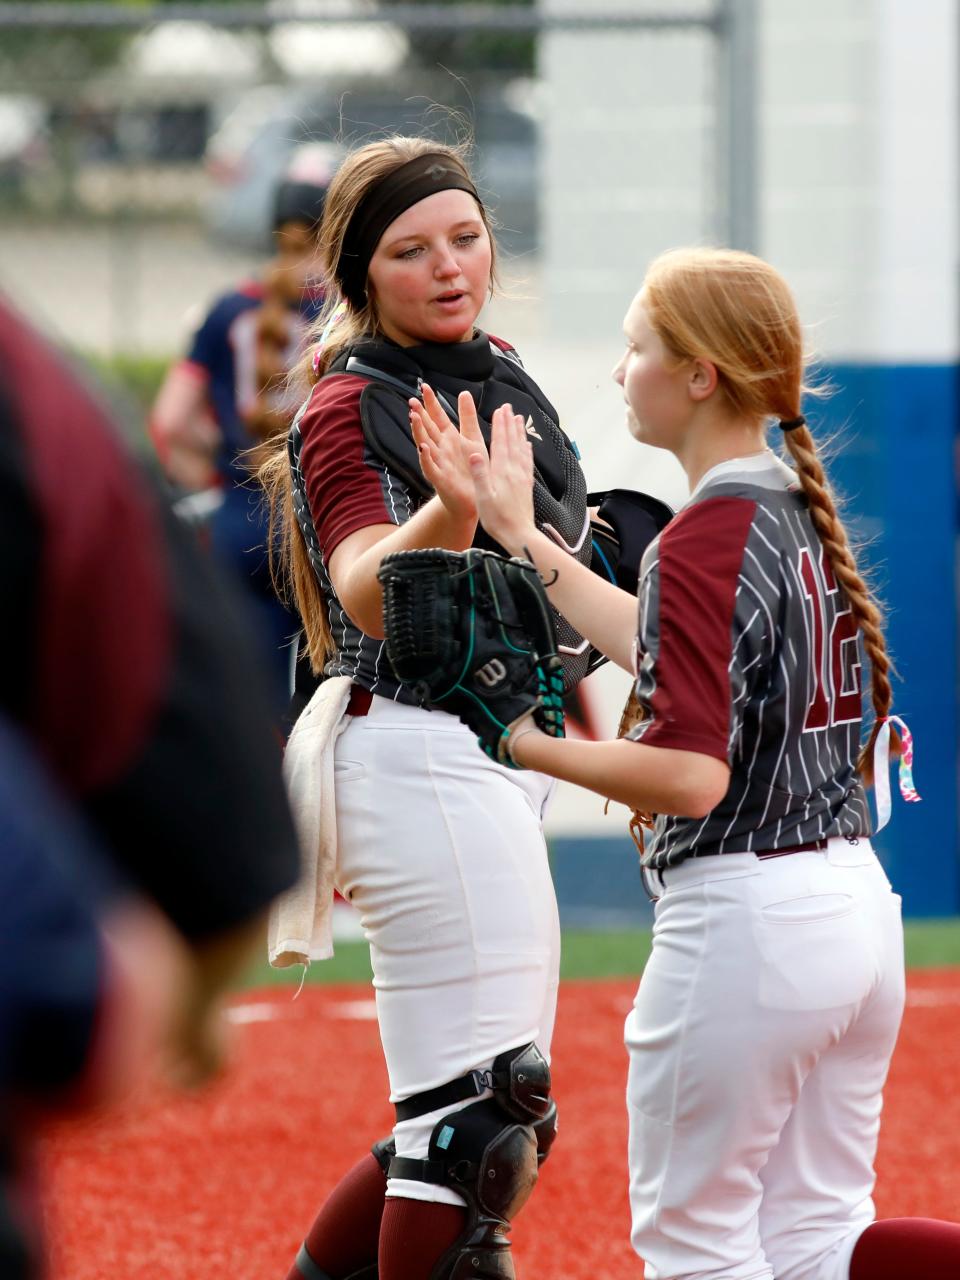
605	954
931	944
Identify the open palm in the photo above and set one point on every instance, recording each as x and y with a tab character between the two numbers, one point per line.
497	484
443	451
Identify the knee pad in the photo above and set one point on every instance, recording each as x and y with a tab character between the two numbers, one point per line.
490	1159
545	1132
489	1152
521	1084
520	1080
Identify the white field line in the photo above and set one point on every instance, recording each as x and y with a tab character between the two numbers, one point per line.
932	997
366	1010
259	1012
271	1011
361	1010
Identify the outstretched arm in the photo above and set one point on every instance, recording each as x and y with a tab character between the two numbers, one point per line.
503	484
652	779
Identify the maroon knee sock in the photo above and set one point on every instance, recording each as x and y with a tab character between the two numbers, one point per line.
414	1235
897	1247
345	1235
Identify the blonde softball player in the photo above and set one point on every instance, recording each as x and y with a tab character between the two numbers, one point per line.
764	1024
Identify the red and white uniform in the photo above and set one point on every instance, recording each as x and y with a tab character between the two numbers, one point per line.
765	1021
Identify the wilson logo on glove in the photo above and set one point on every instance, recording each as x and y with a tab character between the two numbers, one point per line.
471	632
491	673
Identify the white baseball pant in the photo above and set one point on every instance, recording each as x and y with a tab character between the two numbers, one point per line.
759	1044
442	853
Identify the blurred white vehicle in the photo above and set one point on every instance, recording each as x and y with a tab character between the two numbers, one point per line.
256	143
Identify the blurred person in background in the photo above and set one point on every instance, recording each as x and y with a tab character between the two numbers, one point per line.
125	671
228	396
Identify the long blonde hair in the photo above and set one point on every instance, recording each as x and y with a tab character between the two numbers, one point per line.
738	312
339	325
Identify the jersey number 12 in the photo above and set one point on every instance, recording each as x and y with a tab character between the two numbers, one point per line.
836	696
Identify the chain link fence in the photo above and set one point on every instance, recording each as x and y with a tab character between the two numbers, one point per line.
140	145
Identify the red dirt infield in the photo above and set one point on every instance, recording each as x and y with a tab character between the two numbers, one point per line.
225	1182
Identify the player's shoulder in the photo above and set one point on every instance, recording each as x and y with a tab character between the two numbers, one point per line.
505	348
334	400
735	495
709	519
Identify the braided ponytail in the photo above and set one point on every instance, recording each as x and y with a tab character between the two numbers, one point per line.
833	538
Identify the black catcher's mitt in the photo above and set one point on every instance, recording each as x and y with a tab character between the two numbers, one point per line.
471	632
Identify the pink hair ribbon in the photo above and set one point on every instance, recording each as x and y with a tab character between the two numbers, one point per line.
881	768
336	316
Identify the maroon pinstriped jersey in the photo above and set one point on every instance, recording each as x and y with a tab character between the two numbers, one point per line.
748	652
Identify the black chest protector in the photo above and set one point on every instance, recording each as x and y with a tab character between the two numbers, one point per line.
493	378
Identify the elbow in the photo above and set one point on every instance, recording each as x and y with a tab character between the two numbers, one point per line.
369	621
364	613
700	802
374	628
700	787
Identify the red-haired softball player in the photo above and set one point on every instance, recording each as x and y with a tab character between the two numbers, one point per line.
763	1028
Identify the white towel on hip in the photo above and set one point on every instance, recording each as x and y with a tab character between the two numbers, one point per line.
301	920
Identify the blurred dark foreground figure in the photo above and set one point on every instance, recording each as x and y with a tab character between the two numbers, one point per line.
128	694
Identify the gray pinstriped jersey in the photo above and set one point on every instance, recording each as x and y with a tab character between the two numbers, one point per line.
749	653
357	655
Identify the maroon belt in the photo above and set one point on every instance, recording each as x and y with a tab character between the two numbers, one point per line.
812	847
359	702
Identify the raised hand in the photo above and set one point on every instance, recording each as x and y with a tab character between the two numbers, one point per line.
503	479
443	453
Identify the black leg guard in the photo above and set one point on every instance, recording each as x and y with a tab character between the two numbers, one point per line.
545	1131
491	1160
490	1153
520	1080
521	1084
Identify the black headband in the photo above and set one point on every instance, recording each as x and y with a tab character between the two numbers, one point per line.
383	203
791	424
